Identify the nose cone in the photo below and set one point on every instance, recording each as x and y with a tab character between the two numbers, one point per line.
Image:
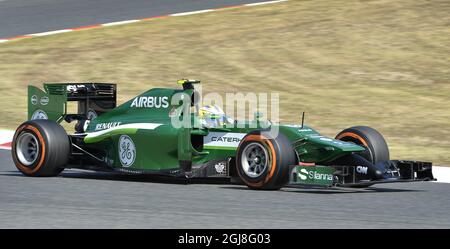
377	174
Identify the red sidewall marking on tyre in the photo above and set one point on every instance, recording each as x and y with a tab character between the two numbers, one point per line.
353	135
42	147
265	140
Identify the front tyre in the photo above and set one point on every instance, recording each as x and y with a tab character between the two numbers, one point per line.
376	147
40	148
263	160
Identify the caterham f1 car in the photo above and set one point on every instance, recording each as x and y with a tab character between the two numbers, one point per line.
139	137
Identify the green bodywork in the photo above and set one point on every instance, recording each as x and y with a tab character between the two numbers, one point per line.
146	120
46	103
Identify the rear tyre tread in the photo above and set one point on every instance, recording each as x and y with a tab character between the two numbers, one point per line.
54	147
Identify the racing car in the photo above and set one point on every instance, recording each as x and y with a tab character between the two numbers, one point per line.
139	137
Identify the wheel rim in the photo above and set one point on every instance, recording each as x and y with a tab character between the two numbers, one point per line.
254	160
27	148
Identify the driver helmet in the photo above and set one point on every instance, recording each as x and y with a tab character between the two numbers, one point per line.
213	116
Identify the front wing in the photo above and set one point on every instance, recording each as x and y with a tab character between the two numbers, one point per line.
347	176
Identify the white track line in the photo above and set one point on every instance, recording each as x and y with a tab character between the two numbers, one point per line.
192	12
442	174
6	136
262	3
51	32
119	23
134	21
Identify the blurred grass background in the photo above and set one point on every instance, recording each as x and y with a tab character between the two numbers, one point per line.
379	63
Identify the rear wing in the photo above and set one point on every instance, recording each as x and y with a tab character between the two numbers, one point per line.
93	99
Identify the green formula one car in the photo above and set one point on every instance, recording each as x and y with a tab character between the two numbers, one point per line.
139	137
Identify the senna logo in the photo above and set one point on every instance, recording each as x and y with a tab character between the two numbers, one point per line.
305	174
151	102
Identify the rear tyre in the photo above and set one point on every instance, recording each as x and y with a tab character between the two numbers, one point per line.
40	148
376	147
263	160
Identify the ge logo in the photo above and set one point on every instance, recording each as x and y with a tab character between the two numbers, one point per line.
127	151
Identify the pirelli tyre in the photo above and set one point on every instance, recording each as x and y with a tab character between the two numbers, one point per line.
376	147
263	160
40	148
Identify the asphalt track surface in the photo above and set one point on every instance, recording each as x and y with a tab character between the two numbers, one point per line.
83	199
20	17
